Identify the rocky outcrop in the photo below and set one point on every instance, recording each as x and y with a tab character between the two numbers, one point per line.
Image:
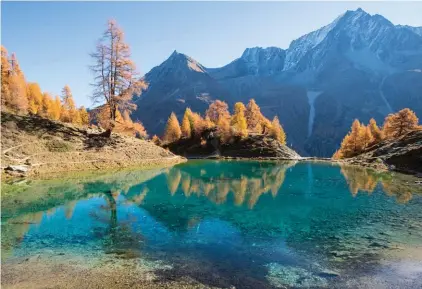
403	154
258	146
252	146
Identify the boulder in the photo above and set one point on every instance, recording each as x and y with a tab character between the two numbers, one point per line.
18	168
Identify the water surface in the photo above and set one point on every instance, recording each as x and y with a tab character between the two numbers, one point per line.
245	224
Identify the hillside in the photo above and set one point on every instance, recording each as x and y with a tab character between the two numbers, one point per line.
403	154
358	66
36	146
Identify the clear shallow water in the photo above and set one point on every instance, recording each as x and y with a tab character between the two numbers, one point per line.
226	223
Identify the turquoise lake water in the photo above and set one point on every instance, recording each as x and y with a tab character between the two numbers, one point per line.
245	224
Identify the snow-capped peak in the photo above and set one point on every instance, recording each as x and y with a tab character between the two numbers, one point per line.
300	46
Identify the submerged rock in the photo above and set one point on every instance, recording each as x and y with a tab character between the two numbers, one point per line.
328	274
289	276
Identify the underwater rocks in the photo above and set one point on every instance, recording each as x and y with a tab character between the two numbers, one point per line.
289	276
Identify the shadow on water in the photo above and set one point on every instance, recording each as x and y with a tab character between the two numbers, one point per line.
224	223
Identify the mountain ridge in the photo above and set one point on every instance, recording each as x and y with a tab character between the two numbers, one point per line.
358	65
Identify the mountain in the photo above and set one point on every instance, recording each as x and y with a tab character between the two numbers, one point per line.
417	30
177	83
254	61
358	66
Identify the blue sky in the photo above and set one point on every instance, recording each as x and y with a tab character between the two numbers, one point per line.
52	40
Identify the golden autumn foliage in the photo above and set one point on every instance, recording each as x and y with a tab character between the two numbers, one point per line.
352	143
254	117
172	131
377	133
13	84
197	124
57	108
22	97
114	72
277	131
238	120
366	135
216	110
35	98
122	124
103	117
186	124
156	140
245	120
361	137
400	123
47	108
69	113
223	129
128	126
84	115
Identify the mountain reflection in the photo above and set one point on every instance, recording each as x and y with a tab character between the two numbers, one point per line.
217	182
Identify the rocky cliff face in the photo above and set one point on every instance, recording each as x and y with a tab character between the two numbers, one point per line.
403	154
358	66
252	146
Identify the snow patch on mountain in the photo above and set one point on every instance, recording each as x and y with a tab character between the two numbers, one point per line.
299	47
388	107
312	96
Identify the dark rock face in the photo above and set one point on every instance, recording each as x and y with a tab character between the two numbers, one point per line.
258	146
403	154
253	146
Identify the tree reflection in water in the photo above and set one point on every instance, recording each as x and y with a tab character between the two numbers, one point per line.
216	185
361	179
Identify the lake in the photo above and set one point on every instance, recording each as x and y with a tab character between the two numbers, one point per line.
219	224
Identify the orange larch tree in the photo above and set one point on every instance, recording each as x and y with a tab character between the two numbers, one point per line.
13	84
400	123
254	117
5	77
375	131
84	115
115	76
172	132
57	108
238	120
47	108
186	124
223	129
277	131
366	135
35	98
216	110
